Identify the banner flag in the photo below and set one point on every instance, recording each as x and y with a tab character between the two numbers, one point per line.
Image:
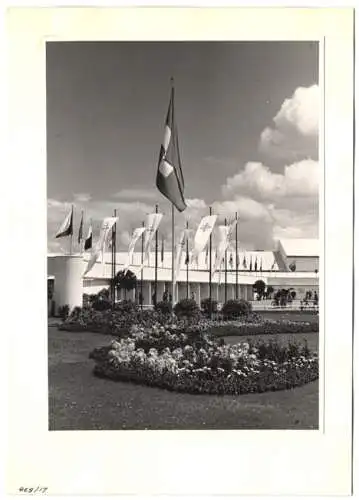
162	250
136	235
223	232
169	178
66	228
80	235
202	235
105	232
151	225
88	240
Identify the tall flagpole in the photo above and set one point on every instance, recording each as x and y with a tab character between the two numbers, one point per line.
173	256
237	263
187	260
210	270
142	242
114	256
225	270
156	262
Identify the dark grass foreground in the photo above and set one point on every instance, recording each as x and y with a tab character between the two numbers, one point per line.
80	401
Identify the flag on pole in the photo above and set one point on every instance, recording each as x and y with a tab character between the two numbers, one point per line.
105	231
250	265
169	179
221	247
231	261
207	255
88	240
162	249
179	252
255	264
80	236
244	262
202	235
261	266
151	225
66	228
136	235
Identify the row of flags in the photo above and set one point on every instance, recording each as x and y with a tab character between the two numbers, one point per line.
67	229
148	231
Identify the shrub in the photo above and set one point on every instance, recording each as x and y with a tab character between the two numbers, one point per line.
208	305
187	308
101	304
164	307
235	308
126	306
64	312
259	287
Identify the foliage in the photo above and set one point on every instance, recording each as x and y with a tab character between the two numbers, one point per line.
125	281
187	308
64	312
201	364
164	307
126	307
259	287
293	294
267	327
270	290
236	308
209	304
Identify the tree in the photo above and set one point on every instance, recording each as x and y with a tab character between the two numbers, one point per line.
293	294
259	287
125	281
270	290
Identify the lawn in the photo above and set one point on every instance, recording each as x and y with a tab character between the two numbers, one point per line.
80	401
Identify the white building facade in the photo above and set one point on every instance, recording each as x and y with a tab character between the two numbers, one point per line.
273	267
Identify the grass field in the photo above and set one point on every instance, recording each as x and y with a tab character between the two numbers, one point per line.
80	401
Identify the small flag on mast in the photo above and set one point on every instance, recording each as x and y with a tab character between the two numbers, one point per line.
162	250
80	236
66	228
169	179
88	240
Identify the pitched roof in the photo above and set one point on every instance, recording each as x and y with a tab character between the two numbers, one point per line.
300	247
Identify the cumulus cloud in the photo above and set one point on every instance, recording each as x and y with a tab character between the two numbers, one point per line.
82	197
295	132
257	180
137	194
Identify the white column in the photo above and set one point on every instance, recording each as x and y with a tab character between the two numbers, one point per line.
68	286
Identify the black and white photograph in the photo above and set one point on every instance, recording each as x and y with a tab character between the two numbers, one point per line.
183	216
179	265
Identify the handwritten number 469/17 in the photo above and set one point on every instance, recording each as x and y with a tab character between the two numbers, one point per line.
38	489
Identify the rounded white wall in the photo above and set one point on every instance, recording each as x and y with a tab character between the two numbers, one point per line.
67	271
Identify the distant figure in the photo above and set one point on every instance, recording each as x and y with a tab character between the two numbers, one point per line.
170	298
193	296
165	296
154	298
140	299
315	299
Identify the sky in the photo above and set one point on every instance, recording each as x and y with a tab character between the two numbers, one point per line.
247	116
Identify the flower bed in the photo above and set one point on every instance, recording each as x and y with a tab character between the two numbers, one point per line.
118	322
195	362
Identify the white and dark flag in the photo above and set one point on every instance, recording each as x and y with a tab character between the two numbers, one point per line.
169	179
151	225
202	235
136	235
99	249
88	240
66	228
